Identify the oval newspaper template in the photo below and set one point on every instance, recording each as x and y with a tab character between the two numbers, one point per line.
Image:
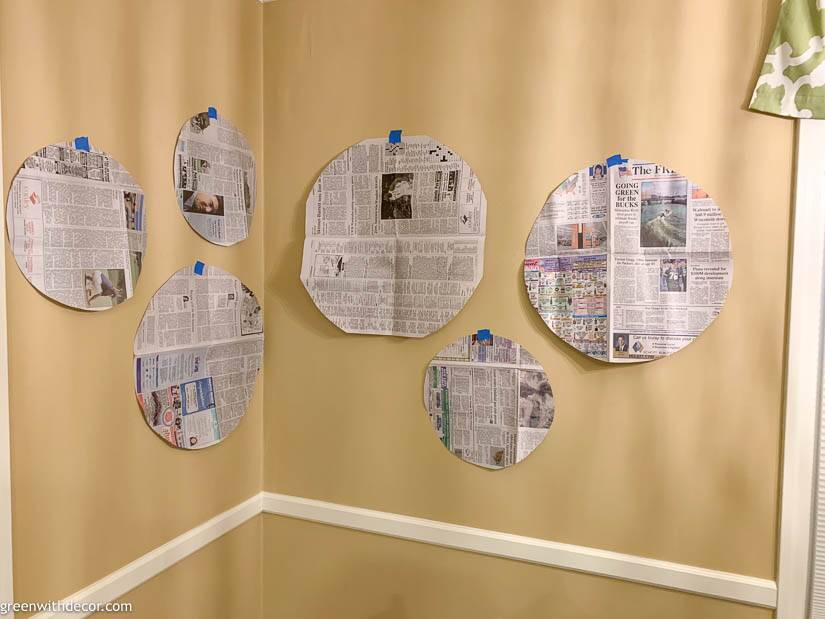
76	225
394	237
628	261
489	400
197	354
215	178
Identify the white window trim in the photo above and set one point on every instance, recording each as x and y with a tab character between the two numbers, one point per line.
803	374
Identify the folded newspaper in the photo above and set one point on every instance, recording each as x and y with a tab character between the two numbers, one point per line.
394	237
76	225
197	354
215	178
489	400
628	261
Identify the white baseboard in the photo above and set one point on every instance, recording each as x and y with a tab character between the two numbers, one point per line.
696	580
724	585
120	582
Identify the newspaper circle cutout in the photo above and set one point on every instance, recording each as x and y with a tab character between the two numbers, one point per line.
394	237
197	354
76	224
215	178
489	400
628	261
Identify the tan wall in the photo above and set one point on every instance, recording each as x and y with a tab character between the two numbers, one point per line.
315	571
220	581
676	459
93	486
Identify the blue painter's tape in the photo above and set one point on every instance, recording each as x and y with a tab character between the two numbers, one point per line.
82	143
483	334
199	267
615	160
395	136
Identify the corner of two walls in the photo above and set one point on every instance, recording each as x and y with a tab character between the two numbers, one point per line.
527	93
93	487
526	96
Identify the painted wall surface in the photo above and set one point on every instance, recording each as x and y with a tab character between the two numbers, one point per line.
364	576
222	580
677	459
93	486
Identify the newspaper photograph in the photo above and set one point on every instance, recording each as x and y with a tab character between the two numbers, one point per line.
198	351
489	400
77	225
628	261
394	237
215	178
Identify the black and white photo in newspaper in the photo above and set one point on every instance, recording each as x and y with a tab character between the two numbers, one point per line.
394	237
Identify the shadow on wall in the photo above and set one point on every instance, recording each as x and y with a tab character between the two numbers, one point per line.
285	279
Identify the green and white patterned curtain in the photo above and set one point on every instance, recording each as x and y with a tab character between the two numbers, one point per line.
792	82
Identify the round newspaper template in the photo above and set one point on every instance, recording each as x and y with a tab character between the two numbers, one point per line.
394	237
76	225
197	354
628	261
215	178
489	400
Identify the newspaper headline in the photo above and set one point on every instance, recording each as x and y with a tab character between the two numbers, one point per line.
628	262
